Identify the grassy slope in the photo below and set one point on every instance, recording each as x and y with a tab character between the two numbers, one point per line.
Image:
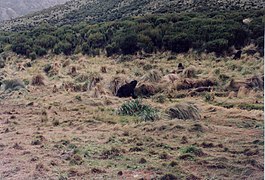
60	136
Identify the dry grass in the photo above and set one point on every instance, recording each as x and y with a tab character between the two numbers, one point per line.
153	76
189	72
170	78
146	90
94	79
78	134
116	83
184	111
38	80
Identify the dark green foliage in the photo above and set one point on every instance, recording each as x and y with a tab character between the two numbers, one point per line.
33	56
218	46
112	49
46	41
86	49
128	44
40	51
178	43
137	108
63	47
176	32
1	49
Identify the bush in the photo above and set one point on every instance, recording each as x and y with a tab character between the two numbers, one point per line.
85	48
189	72
33	56
145	43
63	47
136	108
96	40
112	49
40	51
180	43
46	41
218	46
178	32
128	44
21	48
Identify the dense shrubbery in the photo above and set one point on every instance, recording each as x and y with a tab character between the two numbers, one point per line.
212	32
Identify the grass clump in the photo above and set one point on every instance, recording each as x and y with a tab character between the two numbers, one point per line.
251	106
190	72
153	76
191	150
208	97
38	80
12	84
184	111
137	108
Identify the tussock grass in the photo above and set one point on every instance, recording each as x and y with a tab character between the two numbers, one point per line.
94	79
116	83
152	76
184	111
13	84
38	80
189	72
137	108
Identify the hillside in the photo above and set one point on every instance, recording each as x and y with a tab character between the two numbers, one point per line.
220	32
10	9
68	123
135	89
101	10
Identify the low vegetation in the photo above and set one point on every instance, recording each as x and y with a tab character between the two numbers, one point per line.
137	108
184	111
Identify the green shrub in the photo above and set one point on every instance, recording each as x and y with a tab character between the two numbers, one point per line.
96	40
33	56
137	108
46	41
218	46
63	47
128	43
176	32
179	43
40	51
85	48
145	43
191	150
112	49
